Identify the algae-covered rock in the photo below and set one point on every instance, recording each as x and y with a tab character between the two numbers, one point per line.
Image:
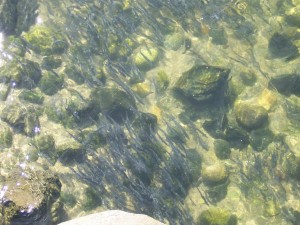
271	208
146	57
161	82
114	102
194	163
142	89
174	41
260	139
248	78
281	46
218	35
32	96
51	82
31	122
45	144
292	16
13	114
91	199
286	84
68	199
56	111
202	82
28	197
17	15
215	174
23	118
222	149
73	73
291	166
51	62
216	216
69	149
144	124
45	41
236	135
250	116
23	73
15	46
6	137
267	99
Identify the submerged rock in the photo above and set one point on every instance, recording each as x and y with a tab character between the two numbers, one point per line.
22	73
146	57
216	216
202	82
250	116
286	84
51	83
214	174
292	16
17	15
114	102
281	46
27	197
6	136
222	149
174	41
45	41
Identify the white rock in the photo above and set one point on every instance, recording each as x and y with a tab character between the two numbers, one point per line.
113	217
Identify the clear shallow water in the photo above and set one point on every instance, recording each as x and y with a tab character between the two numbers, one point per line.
122	120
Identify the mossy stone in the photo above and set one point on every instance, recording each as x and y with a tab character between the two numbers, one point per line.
215	174
248	78
23	73
6	137
161	81
291	166
13	114
281	46
73	73
292	16
51	62
15	45
45	41
286	84
260	139
68	199
146	57
114	102
218	35
91	199
57	112
194	163
51	83
31	123
201	83
250	116
174	41
216	216
32	96
45	144
222	149
271	208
